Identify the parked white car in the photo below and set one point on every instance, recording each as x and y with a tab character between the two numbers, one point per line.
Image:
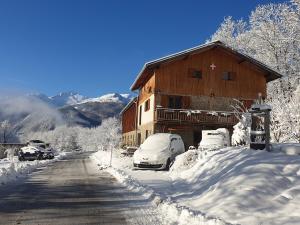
158	151
214	139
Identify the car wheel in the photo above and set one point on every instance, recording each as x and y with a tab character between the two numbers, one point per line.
21	159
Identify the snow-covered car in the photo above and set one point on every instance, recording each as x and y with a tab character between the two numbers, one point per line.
158	151
214	139
128	150
30	153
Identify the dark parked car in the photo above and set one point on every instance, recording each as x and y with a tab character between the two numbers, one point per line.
36	150
30	153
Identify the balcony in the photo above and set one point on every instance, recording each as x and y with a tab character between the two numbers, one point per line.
189	116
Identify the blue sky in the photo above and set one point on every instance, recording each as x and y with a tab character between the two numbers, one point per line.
94	47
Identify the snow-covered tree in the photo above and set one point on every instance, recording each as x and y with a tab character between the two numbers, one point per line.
277	128
6	132
64	138
232	33
292	118
272	35
241	131
111	134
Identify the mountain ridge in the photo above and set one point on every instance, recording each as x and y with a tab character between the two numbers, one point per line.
74	98
36	112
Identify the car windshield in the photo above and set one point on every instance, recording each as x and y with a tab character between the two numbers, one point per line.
36	141
156	143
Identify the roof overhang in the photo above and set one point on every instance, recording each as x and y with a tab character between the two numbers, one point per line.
128	105
148	68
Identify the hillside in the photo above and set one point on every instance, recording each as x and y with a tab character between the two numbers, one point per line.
35	112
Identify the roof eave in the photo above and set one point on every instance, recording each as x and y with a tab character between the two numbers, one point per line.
128	105
165	58
274	74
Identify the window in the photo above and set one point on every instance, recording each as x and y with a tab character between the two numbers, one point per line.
194	73
175	102
140	115
147	105
228	75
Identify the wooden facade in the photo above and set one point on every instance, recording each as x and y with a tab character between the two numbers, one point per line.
185	88
148	89
173	77
129	117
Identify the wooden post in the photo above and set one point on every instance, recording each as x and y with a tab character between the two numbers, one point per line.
267	130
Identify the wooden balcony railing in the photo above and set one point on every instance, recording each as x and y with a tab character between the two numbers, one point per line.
194	116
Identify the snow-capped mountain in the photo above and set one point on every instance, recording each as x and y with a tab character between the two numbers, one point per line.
111	97
67	98
38	111
74	98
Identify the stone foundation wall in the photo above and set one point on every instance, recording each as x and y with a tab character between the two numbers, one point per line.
211	103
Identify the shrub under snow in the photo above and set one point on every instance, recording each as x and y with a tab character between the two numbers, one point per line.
185	161
241	131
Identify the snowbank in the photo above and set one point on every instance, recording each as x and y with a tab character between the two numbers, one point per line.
12	171
243	186
172	212
287	148
185	161
238	185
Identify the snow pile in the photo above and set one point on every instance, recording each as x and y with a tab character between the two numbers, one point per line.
11	171
185	161
172	212
287	148
103	159
238	185
243	186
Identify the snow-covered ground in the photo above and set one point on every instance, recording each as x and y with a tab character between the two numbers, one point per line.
230	186
13	171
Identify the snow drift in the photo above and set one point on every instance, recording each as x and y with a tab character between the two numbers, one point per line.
235	184
13	171
243	186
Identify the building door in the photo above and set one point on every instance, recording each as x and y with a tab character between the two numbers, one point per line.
139	139
197	138
140	115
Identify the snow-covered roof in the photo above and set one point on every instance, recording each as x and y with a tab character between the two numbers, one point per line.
272	74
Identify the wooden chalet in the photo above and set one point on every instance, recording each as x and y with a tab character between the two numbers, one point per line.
193	90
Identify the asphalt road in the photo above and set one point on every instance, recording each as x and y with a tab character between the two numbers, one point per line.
72	191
